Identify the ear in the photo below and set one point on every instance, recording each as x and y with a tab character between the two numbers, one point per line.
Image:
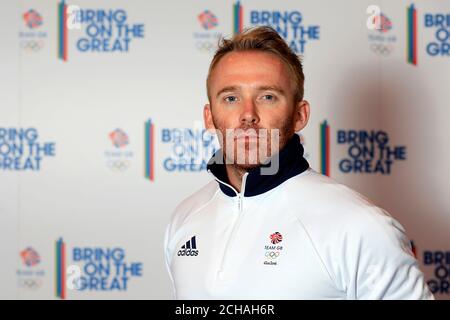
207	118
301	115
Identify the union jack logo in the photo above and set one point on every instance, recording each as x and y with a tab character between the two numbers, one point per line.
276	238
32	19
30	257
119	138
384	23
207	19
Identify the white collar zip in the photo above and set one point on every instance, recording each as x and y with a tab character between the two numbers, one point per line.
240	197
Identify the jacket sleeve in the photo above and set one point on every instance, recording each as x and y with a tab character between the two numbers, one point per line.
167	259
380	261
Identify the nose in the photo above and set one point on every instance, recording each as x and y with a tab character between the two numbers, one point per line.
249	115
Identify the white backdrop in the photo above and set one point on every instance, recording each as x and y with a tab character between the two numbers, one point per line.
95	195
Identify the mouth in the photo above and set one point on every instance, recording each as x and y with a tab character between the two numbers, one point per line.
247	135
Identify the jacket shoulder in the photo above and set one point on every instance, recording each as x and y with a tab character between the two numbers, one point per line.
324	197
192	204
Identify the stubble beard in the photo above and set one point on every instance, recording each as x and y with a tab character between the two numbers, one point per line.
273	140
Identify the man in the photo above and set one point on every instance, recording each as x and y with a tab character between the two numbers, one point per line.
289	234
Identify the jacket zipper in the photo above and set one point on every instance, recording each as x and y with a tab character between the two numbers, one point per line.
240	196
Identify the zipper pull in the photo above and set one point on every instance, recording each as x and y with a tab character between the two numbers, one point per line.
240	203
242	193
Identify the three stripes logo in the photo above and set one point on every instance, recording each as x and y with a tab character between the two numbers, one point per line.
189	248
411	14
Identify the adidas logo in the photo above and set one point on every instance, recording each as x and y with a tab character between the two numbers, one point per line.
189	249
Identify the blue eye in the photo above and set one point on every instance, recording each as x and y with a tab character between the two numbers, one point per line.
269	97
231	99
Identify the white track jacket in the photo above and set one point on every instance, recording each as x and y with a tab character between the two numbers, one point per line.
295	235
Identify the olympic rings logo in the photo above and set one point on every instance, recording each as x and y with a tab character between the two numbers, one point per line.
31	45
118	165
272	254
381	49
205	46
29	283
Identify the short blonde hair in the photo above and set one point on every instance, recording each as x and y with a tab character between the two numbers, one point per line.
266	39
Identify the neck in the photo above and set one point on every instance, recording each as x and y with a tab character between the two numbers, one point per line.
291	163
235	175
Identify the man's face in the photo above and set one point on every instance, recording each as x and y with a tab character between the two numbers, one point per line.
252	105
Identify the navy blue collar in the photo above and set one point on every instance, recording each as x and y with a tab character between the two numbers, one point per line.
291	163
